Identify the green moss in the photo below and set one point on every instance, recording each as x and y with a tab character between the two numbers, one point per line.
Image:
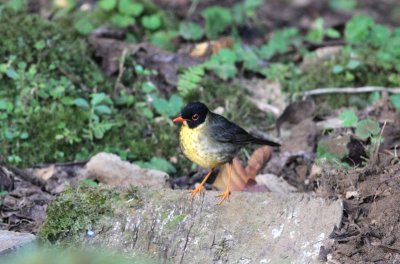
77	210
54	49
176	219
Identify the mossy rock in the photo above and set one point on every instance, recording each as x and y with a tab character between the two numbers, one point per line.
77	210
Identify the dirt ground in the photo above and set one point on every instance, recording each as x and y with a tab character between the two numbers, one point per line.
370	230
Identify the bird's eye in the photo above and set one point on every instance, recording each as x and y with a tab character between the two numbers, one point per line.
195	117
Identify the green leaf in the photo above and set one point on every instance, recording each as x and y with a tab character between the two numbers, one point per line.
353	64
102	109
337	69
168	108
89	182
16	5
347	5
83	26
190	31
24	135
163	39
128	7
223	64
395	100
151	22
121	20
332	33
217	20
367	128
39	45
148	87
81	102
279	42
375	96
107	5
158	164
98	98
357	29
380	35
3	104
316	34
348	118
12	74
148	113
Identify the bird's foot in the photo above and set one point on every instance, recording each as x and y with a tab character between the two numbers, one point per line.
223	196
196	191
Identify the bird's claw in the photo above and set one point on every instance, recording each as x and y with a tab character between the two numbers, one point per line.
196	191
224	196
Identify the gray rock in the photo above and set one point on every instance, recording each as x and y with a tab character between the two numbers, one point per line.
10	241
275	183
110	169
249	228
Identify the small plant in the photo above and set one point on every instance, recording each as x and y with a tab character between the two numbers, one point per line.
217	20
190	31
318	32
223	64
337	149
99	107
189	81
394	99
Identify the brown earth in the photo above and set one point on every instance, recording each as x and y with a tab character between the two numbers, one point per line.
370	229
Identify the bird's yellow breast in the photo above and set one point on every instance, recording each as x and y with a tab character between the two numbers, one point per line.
199	147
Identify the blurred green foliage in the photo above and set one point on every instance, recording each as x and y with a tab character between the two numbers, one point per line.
58	98
72	255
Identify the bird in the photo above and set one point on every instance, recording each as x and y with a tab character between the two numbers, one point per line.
210	140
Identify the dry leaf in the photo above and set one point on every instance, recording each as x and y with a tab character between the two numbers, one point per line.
240	176
257	161
211	47
45	173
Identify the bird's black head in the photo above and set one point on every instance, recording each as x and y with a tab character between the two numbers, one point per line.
194	114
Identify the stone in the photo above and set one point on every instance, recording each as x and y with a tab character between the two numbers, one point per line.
275	183
249	228
10	241
111	170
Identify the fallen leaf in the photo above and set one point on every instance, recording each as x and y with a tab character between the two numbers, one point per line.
241	176
257	161
45	173
211	47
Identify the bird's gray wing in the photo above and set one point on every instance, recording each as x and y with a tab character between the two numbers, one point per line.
223	130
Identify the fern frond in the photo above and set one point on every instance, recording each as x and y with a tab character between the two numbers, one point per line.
190	80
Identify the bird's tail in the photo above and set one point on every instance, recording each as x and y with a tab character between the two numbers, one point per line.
265	142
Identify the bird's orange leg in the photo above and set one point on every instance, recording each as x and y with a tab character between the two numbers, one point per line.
200	187
227	192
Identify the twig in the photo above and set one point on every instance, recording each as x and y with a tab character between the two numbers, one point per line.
121	71
378	144
72	77
266	107
366	89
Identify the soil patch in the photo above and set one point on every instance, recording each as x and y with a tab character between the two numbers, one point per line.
370	229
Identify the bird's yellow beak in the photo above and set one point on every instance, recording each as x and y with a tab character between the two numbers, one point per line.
179	119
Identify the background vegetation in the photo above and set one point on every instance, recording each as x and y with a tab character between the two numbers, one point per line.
57	104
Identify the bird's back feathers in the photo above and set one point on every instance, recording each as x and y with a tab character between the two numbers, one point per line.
224	131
